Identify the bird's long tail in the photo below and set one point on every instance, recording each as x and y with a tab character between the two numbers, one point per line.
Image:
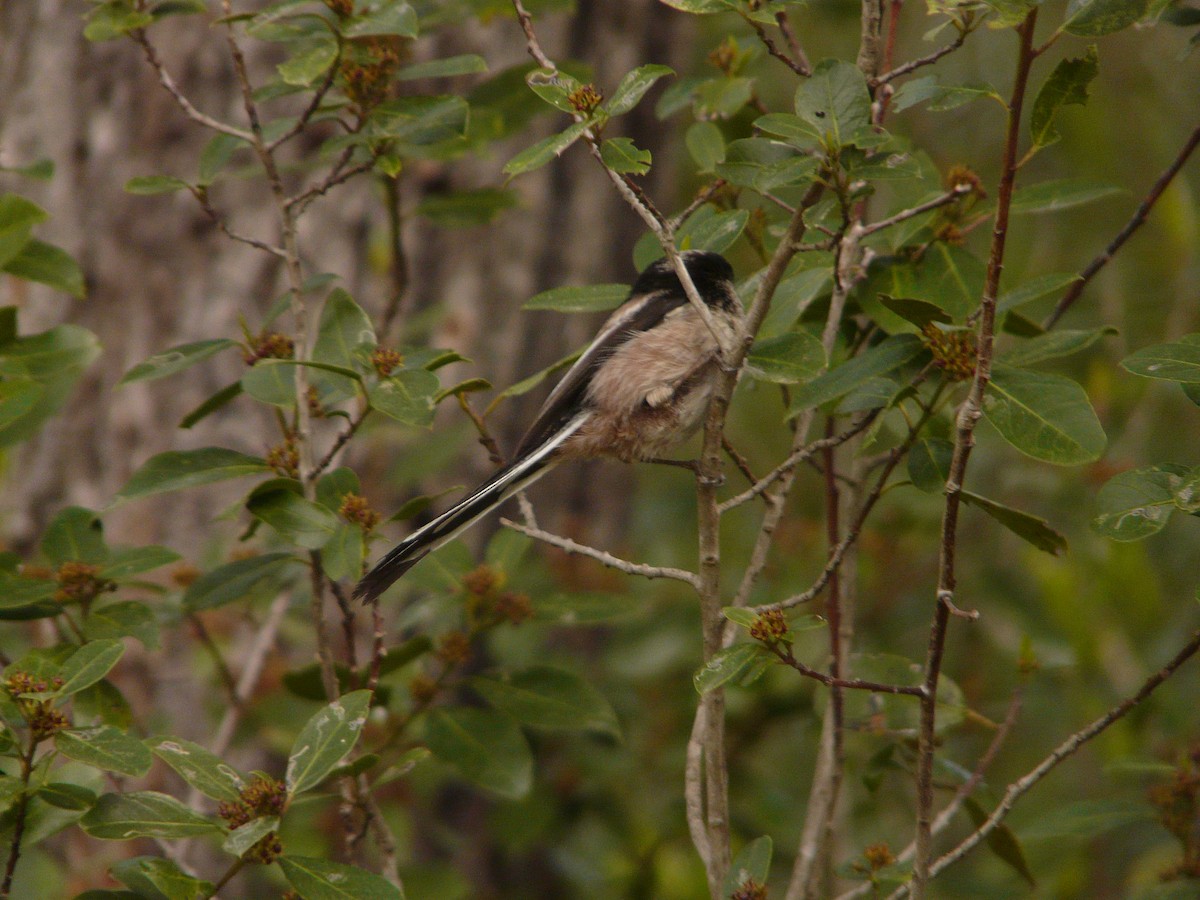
482	500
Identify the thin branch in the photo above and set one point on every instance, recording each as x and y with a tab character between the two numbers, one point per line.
165	79
789	35
1067	748
945	199
913	65
214	652
968	417
856	684
705	194
613	562
20	814
1137	220
801	69
337	176
313	105
201	195
340	441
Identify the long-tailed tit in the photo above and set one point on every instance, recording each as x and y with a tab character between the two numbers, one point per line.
640	388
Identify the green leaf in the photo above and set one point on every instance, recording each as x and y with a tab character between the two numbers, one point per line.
421	121
1054	196
466	209
1136	504
154	876
298	520
486	746
160	365
105	747
27	594
89	664
624	157
740	662
129	561
753	863
200	768
1028	527
786	359
711	230
384	17
345	335
121	817
246	836
633	88
49	265
179	469
236	581
929	464
75	535
325	739
211	405
406	396
148	185
273	381
698	7
342	556
549	698
1044	416
555	87
1176	361
114	19
941	97
67	796
579	298
580	607
889	354
466	64
706	144
17	218
311	61
1052	345
1066	86
126	618
216	154
835	101
18	397
1087	819
545	150
895	712
1095	18
321	879
1035	289
917	312
1001	841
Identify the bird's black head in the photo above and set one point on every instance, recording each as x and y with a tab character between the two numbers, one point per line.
711	273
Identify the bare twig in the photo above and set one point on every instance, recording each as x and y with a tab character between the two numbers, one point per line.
201	195
338	175
789	35
705	194
800	68
613	562
913	65
214	653
1134	223
313	105
857	684
945	199
340	441
968	417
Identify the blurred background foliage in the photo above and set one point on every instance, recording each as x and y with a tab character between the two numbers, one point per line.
604	814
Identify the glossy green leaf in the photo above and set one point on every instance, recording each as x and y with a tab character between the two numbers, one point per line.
624	157
384	17
200	768
246	836
449	67
711	230
154	876
889	354
1136	504
706	145
17	218
1044	416
311	61
179	469
67	796
1026	526
1175	361
916	312
786	359
216	154
1052	345
752	864
941	97
1035	289
18	397
89	664
211	405
121	817
835	101
580	298
1066	86
545	150
421	121
1054	196
75	535
325	739
555	87
160	365
301	521
105	747
633	88
149	185
323	879
1095	18
739	662
549	698
115	19
343	554
345	334
49	265
126	562
486	746
125	618
929	464
238	580
406	396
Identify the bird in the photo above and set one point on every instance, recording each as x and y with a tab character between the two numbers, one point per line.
640	388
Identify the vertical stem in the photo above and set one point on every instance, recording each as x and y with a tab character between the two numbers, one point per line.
968	418
20	813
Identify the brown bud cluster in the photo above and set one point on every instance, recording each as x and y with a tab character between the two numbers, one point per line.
269	345
43	719
482	581
769	626
953	351
184	574
356	511
514	607
878	856
367	70
262	797
454	647
285	458
963	176
725	57
316	409
386	360
80	583
585	99
422	689
750	889
1178	805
